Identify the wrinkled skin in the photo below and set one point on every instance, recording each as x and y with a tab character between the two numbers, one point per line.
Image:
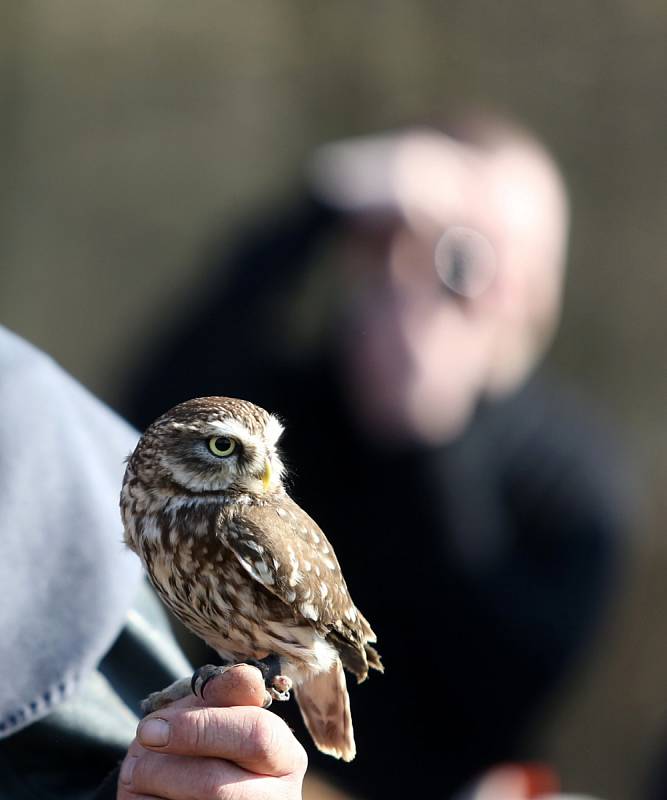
226	747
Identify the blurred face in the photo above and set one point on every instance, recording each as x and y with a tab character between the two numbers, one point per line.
415	351
441	294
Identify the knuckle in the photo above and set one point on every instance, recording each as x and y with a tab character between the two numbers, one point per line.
269	741
263	737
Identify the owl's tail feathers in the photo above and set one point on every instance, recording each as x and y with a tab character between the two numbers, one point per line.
325	708
373	658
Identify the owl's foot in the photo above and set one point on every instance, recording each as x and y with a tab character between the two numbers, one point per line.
202	675
277	690
278	686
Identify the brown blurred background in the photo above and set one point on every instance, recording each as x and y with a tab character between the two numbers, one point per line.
131	131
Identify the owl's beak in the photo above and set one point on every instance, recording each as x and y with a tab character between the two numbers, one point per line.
266	476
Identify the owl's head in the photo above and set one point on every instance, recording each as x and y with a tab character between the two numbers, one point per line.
212	444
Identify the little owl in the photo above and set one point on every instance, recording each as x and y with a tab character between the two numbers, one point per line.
241	564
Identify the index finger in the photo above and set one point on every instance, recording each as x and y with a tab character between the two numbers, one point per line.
240	685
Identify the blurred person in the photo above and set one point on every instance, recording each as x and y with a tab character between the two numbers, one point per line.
83	637
394	316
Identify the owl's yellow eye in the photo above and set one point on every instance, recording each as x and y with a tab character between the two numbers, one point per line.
221	446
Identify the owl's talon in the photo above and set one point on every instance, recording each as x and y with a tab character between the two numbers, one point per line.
280	687
281	697
201	677
277	685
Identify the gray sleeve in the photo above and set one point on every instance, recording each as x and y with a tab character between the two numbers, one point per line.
66	580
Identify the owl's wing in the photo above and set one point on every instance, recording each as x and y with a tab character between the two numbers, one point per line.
282	548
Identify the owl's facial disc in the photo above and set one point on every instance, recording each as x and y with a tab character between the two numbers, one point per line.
212	444
221	455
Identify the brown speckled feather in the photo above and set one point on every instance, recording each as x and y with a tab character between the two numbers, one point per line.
282	548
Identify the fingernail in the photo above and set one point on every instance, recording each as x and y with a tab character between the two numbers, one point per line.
153	732
127	769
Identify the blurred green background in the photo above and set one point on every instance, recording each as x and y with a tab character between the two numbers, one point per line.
131	131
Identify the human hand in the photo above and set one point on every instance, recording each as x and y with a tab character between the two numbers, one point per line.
227	747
